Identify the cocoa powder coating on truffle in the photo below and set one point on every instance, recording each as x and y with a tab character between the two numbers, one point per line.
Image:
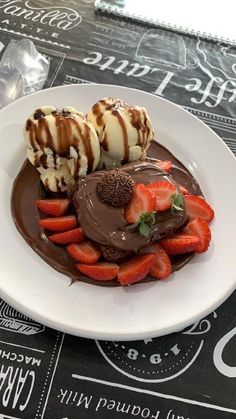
115	187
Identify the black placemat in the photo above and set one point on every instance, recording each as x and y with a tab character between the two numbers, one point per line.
188	375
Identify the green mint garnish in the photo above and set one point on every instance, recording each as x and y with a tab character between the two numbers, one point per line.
177	202
115	164
144	223
144	229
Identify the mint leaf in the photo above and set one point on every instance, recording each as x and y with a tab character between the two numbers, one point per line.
147	217
144	223
177	202
144	229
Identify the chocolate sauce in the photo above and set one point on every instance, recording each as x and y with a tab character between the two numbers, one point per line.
27	188
43	161
39	114
104	144
142	128
88	148
124	135
40	136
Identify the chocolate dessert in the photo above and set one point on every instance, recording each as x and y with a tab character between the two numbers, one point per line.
136	214
105	223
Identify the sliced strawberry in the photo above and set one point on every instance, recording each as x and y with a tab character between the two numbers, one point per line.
200	228
142	201
56	207
184	190
135	269
180	243
196	207
71	236
100	271
85	252
162	266
59	223
163	191
165	165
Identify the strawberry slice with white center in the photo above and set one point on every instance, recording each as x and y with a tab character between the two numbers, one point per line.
163	191
143	201
99	271
56	207
180	243
196	207
161	268
71	236
59	223
84	252
135	269
200	228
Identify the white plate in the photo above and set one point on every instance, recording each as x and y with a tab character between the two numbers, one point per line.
143	310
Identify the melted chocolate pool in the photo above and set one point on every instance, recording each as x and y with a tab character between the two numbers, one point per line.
27	188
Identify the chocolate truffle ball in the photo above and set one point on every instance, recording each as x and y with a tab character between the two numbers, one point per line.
112	254
115	187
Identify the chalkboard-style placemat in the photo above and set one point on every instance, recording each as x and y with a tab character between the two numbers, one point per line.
189	375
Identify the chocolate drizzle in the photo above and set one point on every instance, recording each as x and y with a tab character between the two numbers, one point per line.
39	114
116	113
123	113
100	108
88	148
43	161
40	136
105	143
64	132
27	188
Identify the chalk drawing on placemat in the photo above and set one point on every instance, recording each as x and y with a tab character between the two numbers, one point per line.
156	46
11	319
159	359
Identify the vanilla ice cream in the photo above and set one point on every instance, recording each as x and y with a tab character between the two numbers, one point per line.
62	145
124	131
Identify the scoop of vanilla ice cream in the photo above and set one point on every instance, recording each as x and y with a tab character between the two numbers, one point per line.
125	132
62	145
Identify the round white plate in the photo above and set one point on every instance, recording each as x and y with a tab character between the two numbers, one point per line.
143	310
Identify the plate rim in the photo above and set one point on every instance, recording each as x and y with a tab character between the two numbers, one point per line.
101	335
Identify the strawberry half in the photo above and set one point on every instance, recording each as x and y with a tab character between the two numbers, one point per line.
135	269
58	223
163	191
200	228
165	165
196	207
161	268
56	207
72	236
85	252
180	243
99	271
142	201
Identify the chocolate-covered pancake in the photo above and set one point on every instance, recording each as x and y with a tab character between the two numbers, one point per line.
106	224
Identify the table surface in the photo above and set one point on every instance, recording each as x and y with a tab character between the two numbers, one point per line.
187	375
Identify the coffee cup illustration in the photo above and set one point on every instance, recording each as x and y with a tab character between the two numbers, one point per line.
165	49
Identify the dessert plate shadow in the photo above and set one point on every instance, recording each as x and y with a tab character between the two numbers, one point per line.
139	311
